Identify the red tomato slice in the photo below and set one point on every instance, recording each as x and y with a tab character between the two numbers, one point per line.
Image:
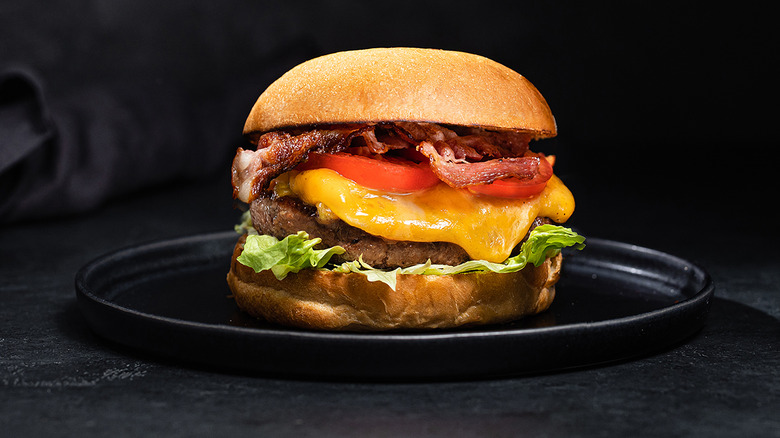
388	174
508	188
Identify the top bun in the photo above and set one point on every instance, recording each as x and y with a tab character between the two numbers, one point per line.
402	84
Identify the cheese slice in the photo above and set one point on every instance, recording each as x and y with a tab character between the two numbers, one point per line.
488	228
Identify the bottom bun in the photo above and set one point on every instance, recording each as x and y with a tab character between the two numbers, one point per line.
325	300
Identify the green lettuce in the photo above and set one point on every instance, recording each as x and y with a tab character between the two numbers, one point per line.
291	254
296	252
245	224
544	241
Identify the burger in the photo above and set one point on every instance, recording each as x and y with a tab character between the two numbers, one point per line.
394	189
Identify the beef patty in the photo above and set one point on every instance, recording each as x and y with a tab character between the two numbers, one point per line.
282	216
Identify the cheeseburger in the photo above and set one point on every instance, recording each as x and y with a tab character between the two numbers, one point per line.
394	188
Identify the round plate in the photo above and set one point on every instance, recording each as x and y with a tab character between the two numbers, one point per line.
614	301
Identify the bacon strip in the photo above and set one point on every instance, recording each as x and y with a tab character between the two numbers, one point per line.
382	138
280	151
531	168
457	158
472	142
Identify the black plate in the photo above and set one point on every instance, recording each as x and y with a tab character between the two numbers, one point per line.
614	301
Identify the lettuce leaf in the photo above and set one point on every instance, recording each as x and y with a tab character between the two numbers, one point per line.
245	226
296	252
543	242
291	254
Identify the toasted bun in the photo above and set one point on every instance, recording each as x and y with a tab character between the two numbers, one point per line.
328	300
402	84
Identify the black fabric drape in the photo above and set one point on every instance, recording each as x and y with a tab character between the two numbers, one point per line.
101	100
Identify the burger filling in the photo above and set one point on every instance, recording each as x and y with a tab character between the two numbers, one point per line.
390	195
282	216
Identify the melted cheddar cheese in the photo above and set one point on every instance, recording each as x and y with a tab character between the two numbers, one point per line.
487	228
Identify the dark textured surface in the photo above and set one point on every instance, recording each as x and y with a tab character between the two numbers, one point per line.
58	378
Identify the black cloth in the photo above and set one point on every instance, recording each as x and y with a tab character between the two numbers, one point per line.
68	156
98	101
25	129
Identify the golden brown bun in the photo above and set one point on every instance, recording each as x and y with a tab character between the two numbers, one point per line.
402	84
327	300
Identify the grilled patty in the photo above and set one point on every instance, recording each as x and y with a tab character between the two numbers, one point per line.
282	216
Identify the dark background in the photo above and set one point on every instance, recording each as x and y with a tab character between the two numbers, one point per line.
653	100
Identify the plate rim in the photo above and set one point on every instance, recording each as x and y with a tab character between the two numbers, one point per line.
82	289
700	299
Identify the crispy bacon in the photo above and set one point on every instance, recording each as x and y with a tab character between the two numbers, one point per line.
471	142
280	151
382	139
531	168
460	156
496	144
425	131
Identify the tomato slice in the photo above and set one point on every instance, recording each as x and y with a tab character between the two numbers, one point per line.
509	188
382	173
